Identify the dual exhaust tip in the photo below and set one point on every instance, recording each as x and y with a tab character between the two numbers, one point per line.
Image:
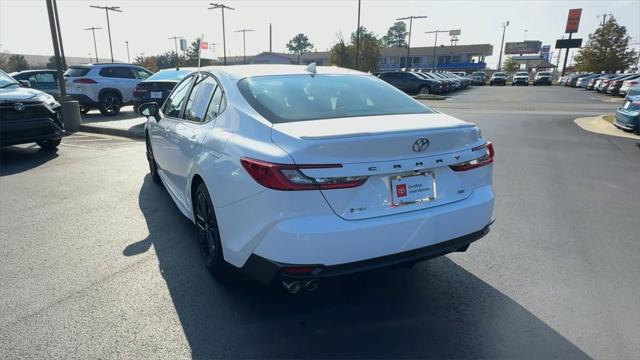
295	286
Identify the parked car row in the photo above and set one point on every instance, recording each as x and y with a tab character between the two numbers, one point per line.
418	82
521	78
612	84
106	86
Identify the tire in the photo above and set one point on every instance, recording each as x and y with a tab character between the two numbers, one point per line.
49	145
110	104
84	109
208	234
153	166
424	90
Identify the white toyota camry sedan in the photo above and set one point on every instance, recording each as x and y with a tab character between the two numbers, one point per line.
294	173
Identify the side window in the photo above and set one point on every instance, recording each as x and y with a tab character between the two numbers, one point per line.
196	108
216	104
120	72
174	103
42	78
141	74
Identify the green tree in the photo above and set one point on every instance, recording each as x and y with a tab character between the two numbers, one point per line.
52	63
4	59
510	65
340	55
607	50
299	45
396	35
369	52
192	55
17	63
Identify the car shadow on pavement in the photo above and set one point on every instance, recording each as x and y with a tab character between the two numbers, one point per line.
125	113
437	309
14	159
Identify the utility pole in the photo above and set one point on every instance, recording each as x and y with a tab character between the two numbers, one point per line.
95	46
224	41
90	58
57	18
358	37
175	41
525	35
407	62
270	38
106	11
128	58
566	56
504	29
435	45
244	43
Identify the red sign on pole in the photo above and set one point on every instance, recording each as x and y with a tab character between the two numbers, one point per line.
573	21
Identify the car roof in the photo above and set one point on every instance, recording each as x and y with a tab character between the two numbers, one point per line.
243	71
33	71
103	64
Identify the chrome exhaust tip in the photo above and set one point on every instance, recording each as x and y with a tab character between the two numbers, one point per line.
293	287
311	285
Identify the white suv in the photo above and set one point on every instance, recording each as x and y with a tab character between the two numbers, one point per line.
107	87
520	78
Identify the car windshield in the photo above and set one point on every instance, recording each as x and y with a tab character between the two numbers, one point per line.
522	74
499	74
288	98
544	74
169	75
6	81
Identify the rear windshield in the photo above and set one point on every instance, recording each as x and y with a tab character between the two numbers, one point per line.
288	98
169	75
76	71
499	74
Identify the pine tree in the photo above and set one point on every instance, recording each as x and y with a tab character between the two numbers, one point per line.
607	50
396	35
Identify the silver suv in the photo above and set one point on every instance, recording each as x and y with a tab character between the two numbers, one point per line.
107	87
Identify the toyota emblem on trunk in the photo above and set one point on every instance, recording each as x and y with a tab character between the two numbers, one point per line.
420	145
19	106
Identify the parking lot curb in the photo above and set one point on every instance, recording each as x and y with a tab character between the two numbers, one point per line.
600	125
135	132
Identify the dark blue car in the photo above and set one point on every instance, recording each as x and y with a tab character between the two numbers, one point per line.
628	115
158	86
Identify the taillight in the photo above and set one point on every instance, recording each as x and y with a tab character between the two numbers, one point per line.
84	81
484	159
288	177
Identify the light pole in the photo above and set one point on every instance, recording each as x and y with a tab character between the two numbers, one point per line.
504	29
175	41
106	10
244	42
525	35
409	43
224	41
95	46
128	58
435	45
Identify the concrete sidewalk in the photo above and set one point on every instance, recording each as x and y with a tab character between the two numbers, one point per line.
126	124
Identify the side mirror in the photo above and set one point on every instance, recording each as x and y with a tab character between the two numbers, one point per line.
25	83
149	109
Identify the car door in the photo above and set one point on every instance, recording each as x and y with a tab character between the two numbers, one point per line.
187	133
160	133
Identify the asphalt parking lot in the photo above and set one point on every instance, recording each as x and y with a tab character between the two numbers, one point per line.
97	261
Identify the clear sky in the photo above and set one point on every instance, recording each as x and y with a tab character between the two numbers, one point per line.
147	24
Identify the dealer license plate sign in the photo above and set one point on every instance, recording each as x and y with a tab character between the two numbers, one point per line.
411	189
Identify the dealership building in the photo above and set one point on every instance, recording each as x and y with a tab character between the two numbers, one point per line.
467	58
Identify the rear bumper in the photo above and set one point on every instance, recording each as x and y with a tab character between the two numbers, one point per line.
25	131
84	100
343	246
265	271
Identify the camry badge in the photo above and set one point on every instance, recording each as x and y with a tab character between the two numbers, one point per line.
19	106
420	145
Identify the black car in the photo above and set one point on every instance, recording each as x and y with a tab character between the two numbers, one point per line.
158	86
28	115
411	83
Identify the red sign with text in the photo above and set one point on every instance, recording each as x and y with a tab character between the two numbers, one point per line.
573	21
